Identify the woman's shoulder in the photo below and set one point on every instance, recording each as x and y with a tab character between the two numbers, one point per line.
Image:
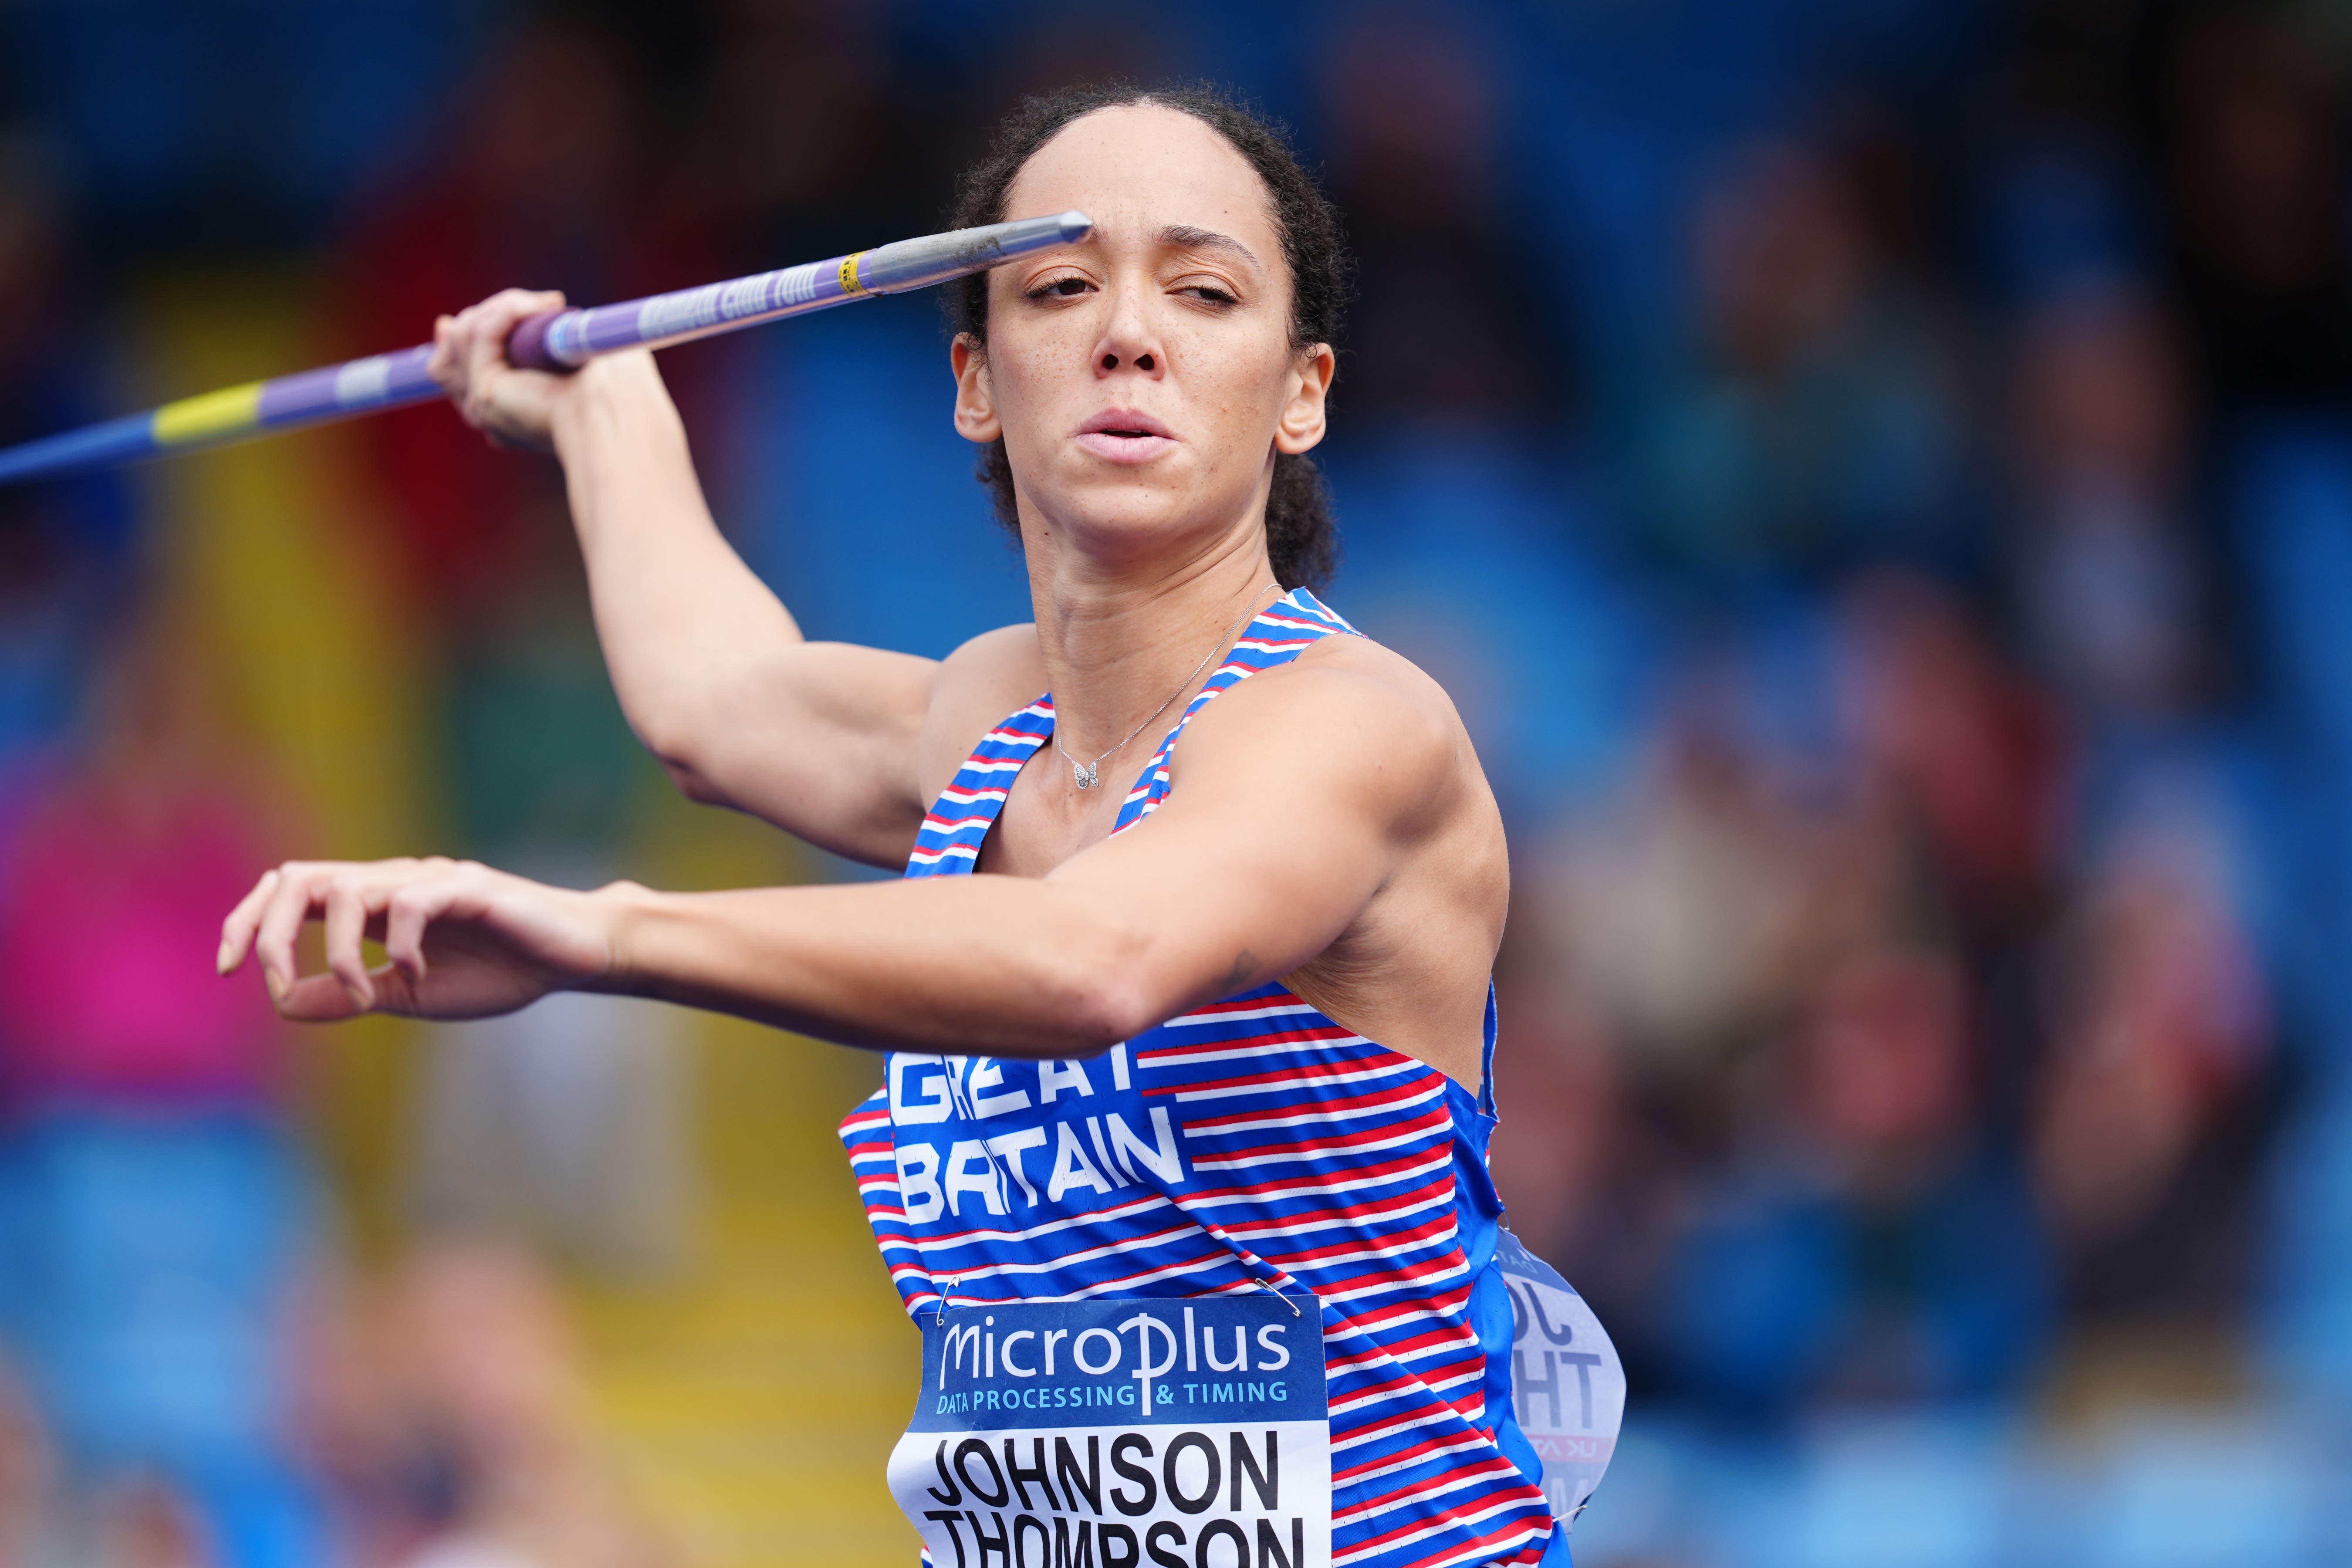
993	675
1347	697
1370	676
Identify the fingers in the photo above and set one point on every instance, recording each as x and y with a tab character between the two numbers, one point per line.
469	348
494	319
406	915
237	931
282	916
442	364
398	898
351	898
347	895
318	999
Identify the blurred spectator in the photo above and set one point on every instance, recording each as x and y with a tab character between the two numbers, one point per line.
1870	1241
449	1410
2156	1019
27	1484
1444	329
1683	904
141	1522
1820	425
2252	145
545	179
154	1211
114	895
795	145
1966	751
2115	599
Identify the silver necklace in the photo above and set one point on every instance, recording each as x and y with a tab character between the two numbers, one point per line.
1089	774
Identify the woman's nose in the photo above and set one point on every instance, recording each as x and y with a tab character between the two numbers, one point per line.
1127	341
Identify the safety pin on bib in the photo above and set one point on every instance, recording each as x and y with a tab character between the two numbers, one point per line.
1269	1287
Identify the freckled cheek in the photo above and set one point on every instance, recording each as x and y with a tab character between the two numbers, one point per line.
1032	376
1233	402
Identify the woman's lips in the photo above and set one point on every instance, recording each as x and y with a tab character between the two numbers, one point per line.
1124	445
1125	436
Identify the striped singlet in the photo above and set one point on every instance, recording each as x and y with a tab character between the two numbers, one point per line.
1250	1143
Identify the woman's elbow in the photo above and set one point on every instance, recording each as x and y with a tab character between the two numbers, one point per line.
1104	994
691	782
683	752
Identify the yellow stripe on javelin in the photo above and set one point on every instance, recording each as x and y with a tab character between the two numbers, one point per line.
847	274
221	413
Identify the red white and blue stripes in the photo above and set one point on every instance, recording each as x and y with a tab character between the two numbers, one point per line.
1252	1143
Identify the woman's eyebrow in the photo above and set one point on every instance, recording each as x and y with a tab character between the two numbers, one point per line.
1184	237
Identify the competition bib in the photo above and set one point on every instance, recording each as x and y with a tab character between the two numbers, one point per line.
1117	1434
1568	1386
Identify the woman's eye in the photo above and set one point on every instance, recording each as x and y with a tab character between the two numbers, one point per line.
1209	291
1061	287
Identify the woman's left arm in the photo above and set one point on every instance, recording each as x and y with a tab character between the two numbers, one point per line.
1301	792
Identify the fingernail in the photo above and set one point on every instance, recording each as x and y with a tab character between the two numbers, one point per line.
221	962
276	984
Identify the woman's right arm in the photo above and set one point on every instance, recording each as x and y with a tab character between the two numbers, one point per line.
710	668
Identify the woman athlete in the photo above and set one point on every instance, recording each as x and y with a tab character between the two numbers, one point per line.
1206	1274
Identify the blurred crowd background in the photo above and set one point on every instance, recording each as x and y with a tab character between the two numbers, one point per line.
1878	480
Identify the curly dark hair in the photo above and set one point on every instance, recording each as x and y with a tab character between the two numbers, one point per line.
1302	541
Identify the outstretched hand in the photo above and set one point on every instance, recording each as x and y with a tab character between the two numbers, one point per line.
464	942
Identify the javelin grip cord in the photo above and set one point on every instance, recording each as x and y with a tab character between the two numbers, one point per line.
558	340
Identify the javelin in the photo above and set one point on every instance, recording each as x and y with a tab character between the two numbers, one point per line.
561	341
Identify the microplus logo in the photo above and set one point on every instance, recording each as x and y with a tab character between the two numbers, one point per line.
1083	1367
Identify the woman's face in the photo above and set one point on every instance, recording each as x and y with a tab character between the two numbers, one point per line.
1143	379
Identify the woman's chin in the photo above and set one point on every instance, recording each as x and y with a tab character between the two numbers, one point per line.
1122	513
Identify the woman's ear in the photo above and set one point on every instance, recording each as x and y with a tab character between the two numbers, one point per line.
1302	424
975	404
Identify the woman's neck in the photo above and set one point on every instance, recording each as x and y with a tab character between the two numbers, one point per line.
1121	641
